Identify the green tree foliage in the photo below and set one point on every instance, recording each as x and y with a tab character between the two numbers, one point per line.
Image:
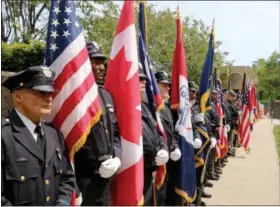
22	21
100	18
268	73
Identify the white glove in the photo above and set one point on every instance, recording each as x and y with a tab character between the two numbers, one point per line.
239	113
199	118
197	143
109	167
176	154
228	128
213	142
162	157
79	200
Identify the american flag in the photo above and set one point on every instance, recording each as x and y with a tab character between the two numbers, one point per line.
245	122
76	105
153	94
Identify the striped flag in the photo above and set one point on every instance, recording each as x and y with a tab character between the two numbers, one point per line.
76	104
153	94
122	81
186	180
245	131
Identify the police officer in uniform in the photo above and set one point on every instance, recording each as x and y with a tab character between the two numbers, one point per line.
212	115
226	119
234	114
199	120
155	150
99	159
35	165
172	139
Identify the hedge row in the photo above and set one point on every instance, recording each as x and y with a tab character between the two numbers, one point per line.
19	56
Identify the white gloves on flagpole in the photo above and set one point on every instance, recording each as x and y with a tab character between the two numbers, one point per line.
228	128
176	154
79	200
199	118
109	167
197	143
162	157
213	142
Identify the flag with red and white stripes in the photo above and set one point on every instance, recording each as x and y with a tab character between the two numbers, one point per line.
245	130
122	81
76	105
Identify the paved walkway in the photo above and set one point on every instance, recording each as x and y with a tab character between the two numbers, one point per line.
251	179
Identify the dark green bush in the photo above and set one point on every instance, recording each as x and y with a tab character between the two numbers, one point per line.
19	56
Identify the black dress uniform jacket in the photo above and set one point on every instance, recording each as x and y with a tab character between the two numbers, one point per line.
28	177
233	113
102	143
212	115
152	143
227	116
168	125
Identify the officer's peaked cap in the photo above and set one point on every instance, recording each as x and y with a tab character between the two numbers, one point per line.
39	78
94	50
141	71
162	77
192	86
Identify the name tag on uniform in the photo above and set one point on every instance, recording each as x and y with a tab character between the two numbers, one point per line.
22	159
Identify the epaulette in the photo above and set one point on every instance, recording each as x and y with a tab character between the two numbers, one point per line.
5	122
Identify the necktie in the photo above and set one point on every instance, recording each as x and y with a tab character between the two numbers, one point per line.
40	138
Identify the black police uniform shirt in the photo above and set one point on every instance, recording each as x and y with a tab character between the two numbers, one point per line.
152	140
103	141
233	114
30	177
168	126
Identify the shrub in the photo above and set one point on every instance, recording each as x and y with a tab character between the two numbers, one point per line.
19	56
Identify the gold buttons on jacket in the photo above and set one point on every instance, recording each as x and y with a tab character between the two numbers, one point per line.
22	178
47	182
47	198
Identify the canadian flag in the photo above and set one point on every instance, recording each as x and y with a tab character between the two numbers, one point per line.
122	81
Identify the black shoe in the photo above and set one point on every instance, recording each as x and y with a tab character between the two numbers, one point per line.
223	165
219	172
206	195
213	177
203	203
210	185
225	161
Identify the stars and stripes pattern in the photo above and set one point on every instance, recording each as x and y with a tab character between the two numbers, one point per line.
76	105
245	124
153	94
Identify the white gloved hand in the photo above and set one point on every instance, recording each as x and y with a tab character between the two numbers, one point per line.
228	128
162	157
239	113
213	142
199	118
176	154
197	143
79	200
109	167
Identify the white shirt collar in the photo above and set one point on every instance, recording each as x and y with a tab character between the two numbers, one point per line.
28	123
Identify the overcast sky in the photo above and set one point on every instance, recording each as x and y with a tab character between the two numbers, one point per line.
248	29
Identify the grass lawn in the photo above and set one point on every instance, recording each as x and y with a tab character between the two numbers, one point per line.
276	132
